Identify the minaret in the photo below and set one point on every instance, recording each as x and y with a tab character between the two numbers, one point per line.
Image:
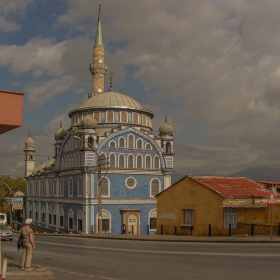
29	156
98	68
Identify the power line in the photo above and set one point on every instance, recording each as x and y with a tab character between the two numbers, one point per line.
22	154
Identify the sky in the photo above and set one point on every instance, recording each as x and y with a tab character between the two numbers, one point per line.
213	67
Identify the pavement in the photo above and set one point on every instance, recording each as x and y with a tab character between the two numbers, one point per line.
14	271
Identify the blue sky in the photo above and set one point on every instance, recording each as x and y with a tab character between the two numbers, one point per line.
213	67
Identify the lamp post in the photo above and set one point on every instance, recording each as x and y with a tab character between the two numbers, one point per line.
10	190
99	184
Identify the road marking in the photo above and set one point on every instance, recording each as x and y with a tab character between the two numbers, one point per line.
166	252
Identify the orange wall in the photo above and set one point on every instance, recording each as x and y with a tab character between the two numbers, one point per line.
11	110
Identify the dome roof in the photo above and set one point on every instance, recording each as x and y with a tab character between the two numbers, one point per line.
166	129
19	194
112	99
29	143
60	134
89	122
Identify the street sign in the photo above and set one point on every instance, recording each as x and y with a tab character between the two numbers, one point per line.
272	200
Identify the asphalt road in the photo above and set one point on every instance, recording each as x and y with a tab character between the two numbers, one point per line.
90	258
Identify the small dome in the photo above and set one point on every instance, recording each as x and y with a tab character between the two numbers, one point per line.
49	164
60	133
19	194
166	129
89	122
29	143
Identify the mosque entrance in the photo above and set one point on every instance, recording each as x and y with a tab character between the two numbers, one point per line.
130	221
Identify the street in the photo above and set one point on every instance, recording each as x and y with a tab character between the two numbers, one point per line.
91	258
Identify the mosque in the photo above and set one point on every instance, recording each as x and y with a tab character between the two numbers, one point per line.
108	160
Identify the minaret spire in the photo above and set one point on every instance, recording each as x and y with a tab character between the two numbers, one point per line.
98	68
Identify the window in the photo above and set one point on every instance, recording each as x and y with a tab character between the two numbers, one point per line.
105	221
124	116
168	147
121	142
36	213
61	187
139	144
43	191
135	118
36	188
112	160
130	182
50	188
90	142
230	217
96	115
130	161
156	162
54	188
139	161
148	146
130	142
148	162
105	187
144	120
110	116
155	187
70	187
80	187
153	220
121	161
84	115
50	216
112	144
70	219
80	221
188	217
43	215
61	218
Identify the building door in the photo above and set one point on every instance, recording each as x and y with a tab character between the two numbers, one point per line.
132	224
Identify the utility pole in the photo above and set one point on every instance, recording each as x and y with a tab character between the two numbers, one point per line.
99	183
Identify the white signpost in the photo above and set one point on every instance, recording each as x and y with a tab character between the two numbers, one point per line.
271	201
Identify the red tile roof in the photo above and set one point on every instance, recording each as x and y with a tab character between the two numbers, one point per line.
233	187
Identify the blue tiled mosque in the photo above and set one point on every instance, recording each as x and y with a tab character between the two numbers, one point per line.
107	159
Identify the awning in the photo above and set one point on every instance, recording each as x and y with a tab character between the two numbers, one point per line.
17	206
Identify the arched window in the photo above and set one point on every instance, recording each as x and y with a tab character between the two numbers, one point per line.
155	187
121	161
36	189
130	141
112	144
153	220
130	161
144	120
96	115
50	216
139	144
110	116
54	216
90	141
50	188
148	146
148	162
84	115
112	160
135	118
156	162
103	160
70	187
168	147
80	221
43	214
106	221
36	213
139	161
70	219
121	142
30	211
123	116
54	187
61	187
61	218
43	190
105	187
80	187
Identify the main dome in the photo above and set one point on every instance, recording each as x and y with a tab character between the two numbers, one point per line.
111	99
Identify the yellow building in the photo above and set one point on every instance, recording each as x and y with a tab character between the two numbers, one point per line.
216	206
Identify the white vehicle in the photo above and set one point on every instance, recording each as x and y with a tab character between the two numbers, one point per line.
3	218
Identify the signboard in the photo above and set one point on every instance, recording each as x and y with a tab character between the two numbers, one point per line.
132	220
272	200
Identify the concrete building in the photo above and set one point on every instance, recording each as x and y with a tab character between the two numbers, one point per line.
194	203
135	164
11	106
